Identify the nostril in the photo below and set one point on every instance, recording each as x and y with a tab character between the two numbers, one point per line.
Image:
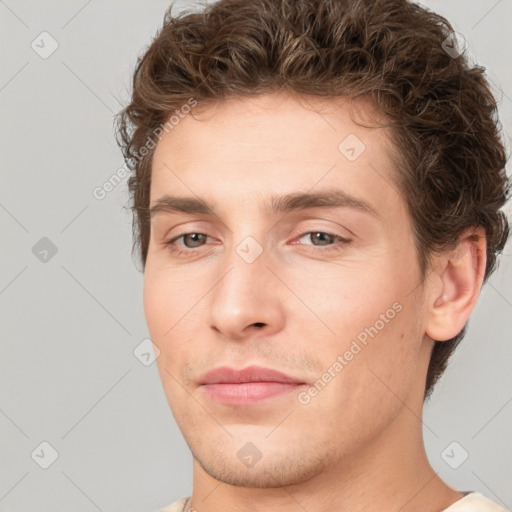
259	324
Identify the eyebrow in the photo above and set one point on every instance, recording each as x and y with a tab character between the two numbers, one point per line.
277	203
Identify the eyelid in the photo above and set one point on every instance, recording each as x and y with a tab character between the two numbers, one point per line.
320	228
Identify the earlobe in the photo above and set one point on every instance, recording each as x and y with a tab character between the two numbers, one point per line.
459	277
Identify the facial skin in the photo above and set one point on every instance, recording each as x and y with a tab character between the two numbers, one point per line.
298	306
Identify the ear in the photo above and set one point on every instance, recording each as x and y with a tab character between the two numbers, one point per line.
455	285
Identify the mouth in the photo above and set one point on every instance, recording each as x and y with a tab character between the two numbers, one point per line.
247	386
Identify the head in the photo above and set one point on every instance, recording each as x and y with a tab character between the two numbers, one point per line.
343	175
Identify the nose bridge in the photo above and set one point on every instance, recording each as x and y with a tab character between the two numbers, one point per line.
243	268
243	297
245	254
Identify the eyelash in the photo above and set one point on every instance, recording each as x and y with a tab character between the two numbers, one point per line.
324	248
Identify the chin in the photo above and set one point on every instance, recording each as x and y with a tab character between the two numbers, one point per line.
270	471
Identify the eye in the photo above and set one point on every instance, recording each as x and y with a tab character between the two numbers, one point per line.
322	238
190	241
318	239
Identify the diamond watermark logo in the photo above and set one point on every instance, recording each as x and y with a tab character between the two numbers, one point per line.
44	455
146	352
249	249
351	147
249	455
44	45
454	45
454	455
44	250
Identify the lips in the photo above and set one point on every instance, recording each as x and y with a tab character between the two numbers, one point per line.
246	386
226	375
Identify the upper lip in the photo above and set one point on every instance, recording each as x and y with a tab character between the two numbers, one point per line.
227	375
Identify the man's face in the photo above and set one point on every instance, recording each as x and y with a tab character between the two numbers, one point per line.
329	296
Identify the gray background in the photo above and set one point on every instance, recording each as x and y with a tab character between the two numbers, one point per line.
68	374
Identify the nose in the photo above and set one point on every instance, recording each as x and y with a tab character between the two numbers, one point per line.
247	300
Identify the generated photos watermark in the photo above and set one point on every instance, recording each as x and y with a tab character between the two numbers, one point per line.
101	191
356	347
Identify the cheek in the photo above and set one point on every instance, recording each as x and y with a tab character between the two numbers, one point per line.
371	335
370	384
170	315
156	304
169	296
344	302
160	310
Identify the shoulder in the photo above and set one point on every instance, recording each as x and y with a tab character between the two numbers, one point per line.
177	506
474	502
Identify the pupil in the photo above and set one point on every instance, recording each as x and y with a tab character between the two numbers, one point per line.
323	238
195	238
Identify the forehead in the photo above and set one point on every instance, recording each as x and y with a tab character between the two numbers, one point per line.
275	143
293	123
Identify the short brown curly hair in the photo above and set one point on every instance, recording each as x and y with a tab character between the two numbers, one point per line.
451	164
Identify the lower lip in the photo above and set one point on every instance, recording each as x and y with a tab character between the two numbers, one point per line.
247	393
